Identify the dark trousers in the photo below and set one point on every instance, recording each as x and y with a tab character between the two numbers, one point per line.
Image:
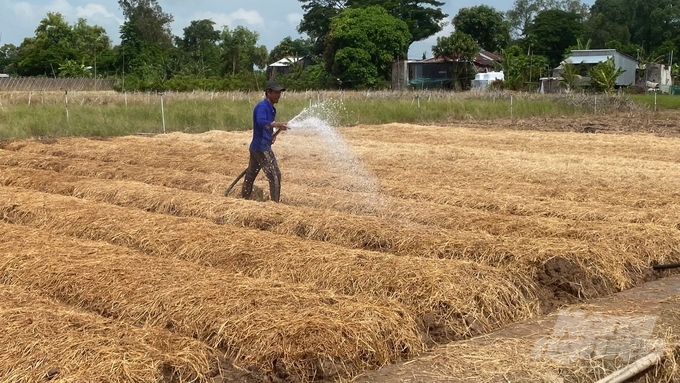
267	162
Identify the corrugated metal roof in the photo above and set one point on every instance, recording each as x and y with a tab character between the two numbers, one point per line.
287	61
586	59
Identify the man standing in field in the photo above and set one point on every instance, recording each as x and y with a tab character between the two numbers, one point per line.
261	154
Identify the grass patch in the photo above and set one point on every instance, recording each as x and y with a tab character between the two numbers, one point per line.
113	114
663	101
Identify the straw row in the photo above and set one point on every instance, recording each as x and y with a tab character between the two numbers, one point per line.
306	332
581	271
44	340
489	170
483	231
456	298
371	233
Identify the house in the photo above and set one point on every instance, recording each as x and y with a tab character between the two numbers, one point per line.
592	57
438	72
658	77
285	65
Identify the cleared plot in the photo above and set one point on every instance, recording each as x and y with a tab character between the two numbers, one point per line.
44	340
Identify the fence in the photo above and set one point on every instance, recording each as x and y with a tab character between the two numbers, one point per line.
45	83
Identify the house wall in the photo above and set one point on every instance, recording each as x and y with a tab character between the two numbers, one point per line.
629	65
625	62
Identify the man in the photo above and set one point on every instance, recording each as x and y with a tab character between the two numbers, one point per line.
261	154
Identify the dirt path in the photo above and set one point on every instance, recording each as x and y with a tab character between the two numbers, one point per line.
580	343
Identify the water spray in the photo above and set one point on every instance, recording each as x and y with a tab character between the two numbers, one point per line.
318	121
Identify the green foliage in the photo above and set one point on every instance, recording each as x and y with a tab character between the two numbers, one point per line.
316	22
362	44
70	68
460	48
197	51
148	21
244	81
522	13
603	75
240	52
552	32
423	17
8	54
571	74
486	25
522	71
647	25
312	77
56	42
140	57
290	48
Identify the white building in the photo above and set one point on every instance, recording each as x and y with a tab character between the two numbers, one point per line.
592	57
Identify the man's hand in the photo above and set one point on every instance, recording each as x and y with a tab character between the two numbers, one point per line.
280	125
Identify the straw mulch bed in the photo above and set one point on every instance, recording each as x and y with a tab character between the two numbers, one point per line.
451	299
43	340
585	267
283	329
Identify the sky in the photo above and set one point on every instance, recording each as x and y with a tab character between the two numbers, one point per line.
272	19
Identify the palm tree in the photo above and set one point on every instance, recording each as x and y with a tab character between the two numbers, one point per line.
570	75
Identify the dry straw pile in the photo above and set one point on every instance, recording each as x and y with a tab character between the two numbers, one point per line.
45	340
451	299
302	331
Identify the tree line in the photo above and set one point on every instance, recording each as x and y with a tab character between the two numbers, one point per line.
352	43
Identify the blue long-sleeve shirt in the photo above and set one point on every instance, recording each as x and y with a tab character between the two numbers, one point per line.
264	114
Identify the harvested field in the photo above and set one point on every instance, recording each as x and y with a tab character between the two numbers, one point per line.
450	232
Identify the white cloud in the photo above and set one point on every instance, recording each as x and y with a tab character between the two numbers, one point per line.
95	11
294	18
30	12
237	17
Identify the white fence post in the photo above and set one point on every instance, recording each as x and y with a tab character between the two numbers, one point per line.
162	112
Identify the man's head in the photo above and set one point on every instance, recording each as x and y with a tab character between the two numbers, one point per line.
272	91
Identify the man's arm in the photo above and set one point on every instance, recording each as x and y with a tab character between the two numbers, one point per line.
262	119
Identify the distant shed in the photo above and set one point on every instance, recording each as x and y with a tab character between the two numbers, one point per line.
592	57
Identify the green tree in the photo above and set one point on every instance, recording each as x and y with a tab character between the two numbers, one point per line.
486	25
200	54
648	24
8	54
148	21
553	32
56	42
316	21
289	48
146	41
460	48
603	75
522	71
140	57
363	43
609	21
423	17
240	52
522	13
